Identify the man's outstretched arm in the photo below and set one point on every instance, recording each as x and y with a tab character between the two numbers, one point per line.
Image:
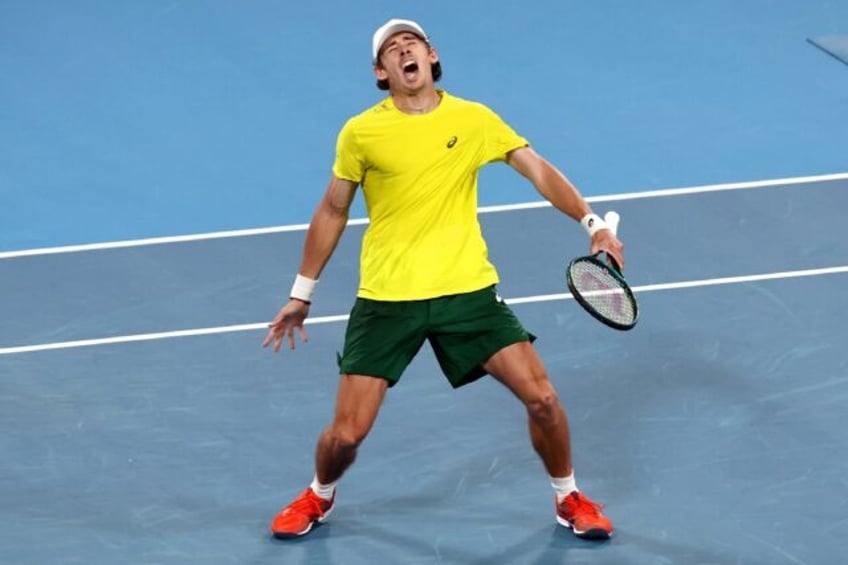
325	231
565	197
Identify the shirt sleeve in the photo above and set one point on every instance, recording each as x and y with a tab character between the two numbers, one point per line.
500	137
349	163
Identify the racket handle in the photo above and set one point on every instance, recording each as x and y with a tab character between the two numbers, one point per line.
612	219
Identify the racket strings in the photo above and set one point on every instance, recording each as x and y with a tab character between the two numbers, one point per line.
603	291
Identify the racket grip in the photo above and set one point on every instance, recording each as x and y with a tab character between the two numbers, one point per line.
612	219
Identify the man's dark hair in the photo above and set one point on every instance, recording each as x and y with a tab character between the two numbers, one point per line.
436	69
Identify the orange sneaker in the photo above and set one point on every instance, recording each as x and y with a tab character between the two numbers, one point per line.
584	517
301	514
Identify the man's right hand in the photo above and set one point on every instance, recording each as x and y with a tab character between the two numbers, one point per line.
290	317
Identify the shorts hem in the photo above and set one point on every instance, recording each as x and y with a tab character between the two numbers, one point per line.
371	374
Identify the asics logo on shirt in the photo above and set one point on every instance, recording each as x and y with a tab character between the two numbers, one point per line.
452	141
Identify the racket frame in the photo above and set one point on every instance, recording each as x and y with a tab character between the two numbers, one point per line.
616	274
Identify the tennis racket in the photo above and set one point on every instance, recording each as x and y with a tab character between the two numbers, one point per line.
600	288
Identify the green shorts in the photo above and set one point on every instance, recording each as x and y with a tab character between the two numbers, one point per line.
463	329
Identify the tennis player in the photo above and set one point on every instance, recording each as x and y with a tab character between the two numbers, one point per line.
425	275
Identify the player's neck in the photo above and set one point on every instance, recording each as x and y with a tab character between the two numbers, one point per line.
421	102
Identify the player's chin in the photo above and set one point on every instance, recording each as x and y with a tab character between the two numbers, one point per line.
414	81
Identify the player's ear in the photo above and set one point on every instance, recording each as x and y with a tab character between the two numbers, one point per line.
433	55
380	72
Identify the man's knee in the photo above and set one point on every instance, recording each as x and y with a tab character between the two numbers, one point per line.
347	437
543	407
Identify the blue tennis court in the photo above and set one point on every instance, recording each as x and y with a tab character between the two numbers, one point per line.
144	245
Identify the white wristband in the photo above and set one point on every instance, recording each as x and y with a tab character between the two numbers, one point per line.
303	288
593	223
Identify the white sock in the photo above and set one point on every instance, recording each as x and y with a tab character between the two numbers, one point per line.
324	491
563	486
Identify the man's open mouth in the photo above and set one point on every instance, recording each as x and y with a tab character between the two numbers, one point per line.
410	68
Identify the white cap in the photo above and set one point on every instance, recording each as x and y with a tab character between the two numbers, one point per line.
390	28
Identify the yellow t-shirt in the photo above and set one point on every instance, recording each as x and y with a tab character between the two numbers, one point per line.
419	177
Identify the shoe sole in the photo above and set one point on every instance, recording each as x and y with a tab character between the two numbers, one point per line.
286	535
591	534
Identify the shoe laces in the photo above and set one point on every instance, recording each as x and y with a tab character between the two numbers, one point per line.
308	503
583	505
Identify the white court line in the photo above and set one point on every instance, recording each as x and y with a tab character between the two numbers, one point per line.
344	317
483	210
